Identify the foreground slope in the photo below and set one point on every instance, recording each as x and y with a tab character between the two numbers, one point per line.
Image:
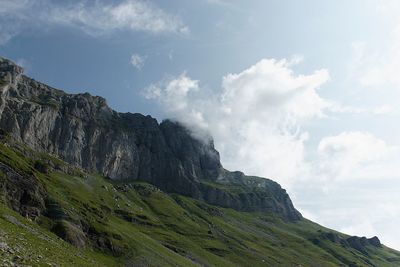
160	196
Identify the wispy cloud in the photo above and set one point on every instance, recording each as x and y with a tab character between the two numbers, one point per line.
376	63
12	17
355	155
95	18
137	61
133	15
9	6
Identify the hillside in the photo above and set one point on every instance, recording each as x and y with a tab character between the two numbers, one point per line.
83	185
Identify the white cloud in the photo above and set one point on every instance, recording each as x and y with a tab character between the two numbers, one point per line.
218	2
338	108
173	93
171	55
271	85
137	61
11	17
377	67
6	34
354	155
134	15
255	117
184	30
376	63
353	147
385	109
225	4
176	97
95	18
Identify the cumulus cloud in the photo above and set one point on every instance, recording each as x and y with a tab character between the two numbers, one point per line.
270	85
255	116
95	18
177	97
173	93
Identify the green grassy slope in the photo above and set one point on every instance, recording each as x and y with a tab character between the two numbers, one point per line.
136	224
24	242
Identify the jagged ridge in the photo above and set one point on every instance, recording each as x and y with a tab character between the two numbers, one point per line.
82	130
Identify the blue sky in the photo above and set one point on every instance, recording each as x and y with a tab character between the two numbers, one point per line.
304	92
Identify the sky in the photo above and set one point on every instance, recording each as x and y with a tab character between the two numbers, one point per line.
303	92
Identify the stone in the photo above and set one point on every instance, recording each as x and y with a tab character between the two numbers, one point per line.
360	243
3	246
333	237
374	241
70	232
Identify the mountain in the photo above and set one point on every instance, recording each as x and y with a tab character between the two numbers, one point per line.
84	185
83	131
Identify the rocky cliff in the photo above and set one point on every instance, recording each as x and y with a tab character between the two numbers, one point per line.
83	131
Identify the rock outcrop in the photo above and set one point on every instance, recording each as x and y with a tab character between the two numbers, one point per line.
360	243
22	192
83	131
355	242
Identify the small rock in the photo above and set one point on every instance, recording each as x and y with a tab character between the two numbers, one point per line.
3	246
12	219
17	258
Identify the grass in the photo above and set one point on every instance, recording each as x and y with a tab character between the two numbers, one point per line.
137	224
29	244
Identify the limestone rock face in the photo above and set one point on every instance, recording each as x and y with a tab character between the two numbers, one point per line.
83	131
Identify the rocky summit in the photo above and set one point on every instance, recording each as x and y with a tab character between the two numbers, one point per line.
84	185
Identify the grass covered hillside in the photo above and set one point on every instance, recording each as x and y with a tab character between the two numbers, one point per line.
54	214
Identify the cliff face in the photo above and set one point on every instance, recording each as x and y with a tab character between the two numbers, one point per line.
83	131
